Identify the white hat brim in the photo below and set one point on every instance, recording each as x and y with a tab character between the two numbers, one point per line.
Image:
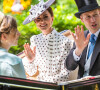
47	4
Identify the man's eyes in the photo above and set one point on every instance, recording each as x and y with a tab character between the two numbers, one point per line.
95	15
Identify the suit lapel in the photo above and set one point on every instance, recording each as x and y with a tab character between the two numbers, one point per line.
95	51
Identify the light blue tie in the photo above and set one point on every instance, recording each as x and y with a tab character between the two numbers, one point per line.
91	47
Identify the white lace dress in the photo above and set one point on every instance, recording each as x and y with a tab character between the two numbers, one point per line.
51	52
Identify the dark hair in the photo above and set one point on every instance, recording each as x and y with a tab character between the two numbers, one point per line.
50	11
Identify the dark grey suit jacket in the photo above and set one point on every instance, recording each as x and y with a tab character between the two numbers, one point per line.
94	70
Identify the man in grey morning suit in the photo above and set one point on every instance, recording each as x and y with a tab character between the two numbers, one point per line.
86	49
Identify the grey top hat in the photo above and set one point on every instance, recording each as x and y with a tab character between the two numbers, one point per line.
85	6
37	10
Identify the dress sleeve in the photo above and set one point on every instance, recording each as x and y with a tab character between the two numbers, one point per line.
30	68
16	70
63	74
6	69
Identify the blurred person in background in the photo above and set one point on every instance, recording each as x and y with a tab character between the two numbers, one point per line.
17	7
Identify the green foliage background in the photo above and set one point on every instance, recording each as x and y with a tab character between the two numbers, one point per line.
64	18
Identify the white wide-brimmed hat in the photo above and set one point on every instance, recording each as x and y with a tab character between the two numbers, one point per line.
37	10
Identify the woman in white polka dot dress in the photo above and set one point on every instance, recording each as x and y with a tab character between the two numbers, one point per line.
48	50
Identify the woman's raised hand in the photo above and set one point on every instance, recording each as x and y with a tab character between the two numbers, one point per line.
29	53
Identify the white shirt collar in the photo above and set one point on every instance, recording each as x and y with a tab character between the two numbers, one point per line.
97	33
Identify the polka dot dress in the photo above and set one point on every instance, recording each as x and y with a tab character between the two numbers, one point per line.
51	52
